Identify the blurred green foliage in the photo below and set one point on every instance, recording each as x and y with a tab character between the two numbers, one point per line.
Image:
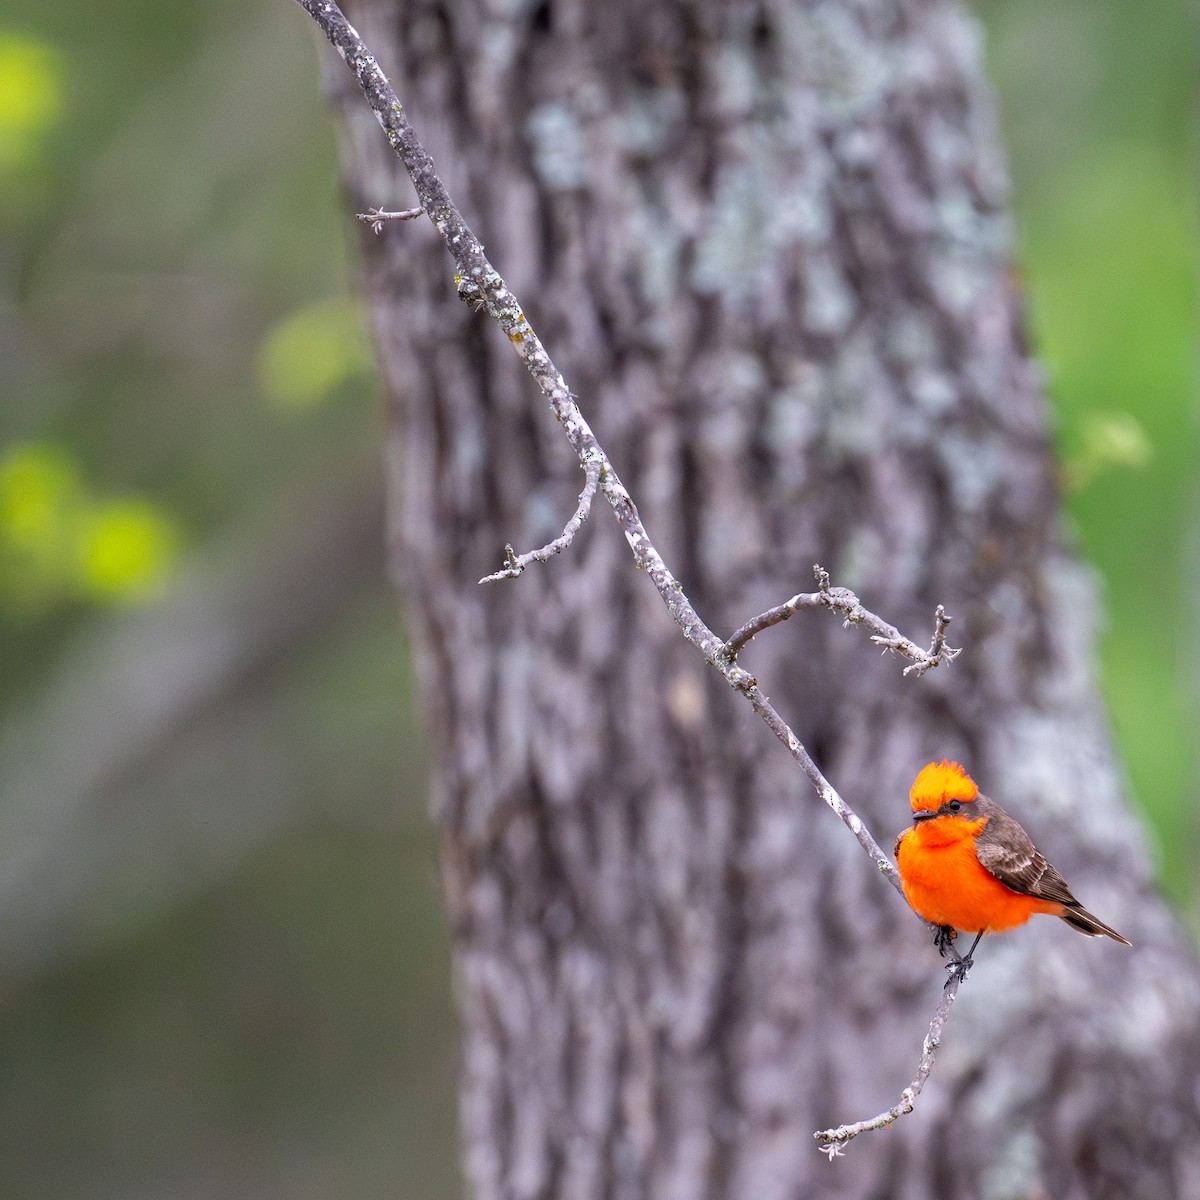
225	969
264	1011
1097	102
314	350
31	88
59	543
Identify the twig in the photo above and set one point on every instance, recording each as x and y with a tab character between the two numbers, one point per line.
833	1142
923	660
481	285
516	563
844	601
375	217
772	616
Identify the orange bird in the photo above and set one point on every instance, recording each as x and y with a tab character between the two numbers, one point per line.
966	864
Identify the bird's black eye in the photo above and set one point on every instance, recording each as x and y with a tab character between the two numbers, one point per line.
954	805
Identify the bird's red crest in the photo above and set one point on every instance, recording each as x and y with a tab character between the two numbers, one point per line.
939	782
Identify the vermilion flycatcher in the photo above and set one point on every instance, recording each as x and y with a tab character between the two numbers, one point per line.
966	864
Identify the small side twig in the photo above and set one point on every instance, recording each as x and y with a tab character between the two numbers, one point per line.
842	600
516	563
375	217
923	660
833	1142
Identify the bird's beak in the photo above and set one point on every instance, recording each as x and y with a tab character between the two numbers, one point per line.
923	814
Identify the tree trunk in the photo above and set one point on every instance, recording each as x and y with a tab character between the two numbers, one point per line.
767	243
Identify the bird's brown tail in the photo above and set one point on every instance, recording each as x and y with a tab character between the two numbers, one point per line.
1079	918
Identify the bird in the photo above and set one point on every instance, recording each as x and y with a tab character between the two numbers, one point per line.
966	865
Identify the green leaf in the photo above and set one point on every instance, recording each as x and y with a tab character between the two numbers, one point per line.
313	351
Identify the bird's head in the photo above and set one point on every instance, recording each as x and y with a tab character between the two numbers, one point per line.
943	790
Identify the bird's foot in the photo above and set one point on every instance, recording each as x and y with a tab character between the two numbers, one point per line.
942	940
958	968
961	963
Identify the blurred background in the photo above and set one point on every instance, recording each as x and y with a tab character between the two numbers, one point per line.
224	961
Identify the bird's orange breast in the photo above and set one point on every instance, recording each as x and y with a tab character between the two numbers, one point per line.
945	882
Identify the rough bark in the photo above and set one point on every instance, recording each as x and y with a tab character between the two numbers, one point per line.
767	244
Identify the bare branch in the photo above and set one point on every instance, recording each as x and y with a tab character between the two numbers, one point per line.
844	601
481	285
923	660
833	1142
515	564
375	217
771	617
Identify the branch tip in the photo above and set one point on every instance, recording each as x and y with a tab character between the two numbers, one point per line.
833	1142
375	217
515	564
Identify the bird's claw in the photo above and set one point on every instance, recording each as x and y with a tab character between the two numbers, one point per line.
943	940
958	966
958	969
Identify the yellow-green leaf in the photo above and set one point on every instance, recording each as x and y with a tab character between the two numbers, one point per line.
313	351
125	550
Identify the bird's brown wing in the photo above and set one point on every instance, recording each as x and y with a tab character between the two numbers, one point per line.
1007	851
